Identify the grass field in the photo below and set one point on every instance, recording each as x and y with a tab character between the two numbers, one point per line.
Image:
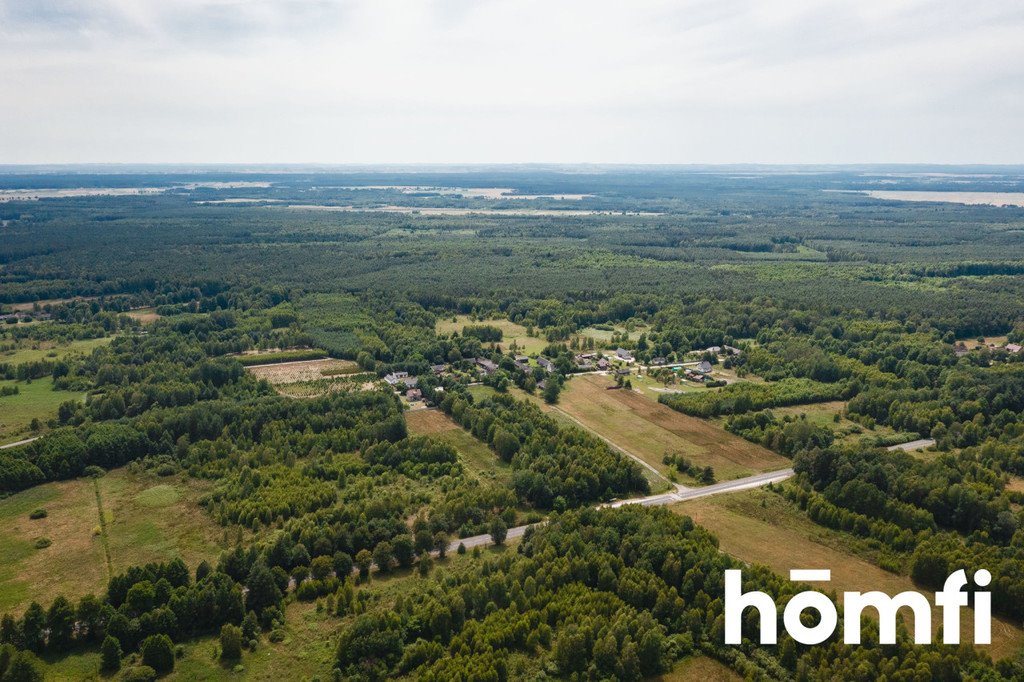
700	668
477	457
146	518
527	345
650	430
652	388
603	337
144	315
823	414
32	351
35	400
759	526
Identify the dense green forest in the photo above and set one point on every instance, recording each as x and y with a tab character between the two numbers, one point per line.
275	349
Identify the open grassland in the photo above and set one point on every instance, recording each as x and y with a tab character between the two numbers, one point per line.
34	400
144	315
823	414
33	351
303	370
476	456
759	526
650	430
652	388
511	332
700	668
150	518
145	518
603	337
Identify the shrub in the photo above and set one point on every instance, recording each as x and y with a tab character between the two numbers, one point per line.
140	673
230	642
38	514
158	653
43	543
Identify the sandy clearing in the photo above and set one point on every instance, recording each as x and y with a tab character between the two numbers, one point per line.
302	370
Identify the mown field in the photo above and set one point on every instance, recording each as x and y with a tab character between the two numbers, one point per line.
145	518
759	526
651	430
511	332
34	400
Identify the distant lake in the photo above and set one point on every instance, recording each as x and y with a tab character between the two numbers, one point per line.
973	198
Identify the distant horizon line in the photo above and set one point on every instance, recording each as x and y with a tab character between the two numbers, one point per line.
413	166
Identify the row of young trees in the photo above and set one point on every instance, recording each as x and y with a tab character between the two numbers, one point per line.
555	466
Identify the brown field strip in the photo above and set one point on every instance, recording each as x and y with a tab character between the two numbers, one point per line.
651	430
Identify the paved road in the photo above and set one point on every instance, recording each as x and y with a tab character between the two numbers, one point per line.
681	495
912	445
20	442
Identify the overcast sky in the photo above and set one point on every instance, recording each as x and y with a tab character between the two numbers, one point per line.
630	81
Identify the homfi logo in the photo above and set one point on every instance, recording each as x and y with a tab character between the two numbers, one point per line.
951	599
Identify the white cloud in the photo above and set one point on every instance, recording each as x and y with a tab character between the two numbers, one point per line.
493	80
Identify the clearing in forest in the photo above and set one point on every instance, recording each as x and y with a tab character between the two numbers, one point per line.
34	400
303	370
760	526
31	350
145	518
651	430
476	456
511	331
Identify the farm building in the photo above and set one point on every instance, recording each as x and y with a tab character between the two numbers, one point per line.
486	366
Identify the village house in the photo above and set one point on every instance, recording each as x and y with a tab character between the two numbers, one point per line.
960	349
410	382
659	361
624	355
714	349
486	366
438	369
414	395
704	367
1013	347
546	364
395	377
603	364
